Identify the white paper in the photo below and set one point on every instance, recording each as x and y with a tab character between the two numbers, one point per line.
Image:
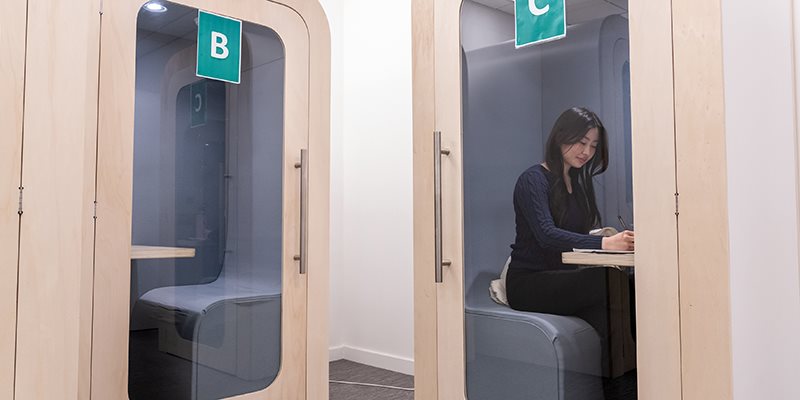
597	251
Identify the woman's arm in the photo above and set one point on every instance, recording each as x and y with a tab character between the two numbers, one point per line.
532	200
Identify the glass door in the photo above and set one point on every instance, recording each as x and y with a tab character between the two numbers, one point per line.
12	37
571	338
200	288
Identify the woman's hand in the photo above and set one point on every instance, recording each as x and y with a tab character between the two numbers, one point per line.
621	241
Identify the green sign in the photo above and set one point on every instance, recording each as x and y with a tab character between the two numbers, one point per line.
539	21
198	95
219	47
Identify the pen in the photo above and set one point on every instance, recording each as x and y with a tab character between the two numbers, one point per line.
624	225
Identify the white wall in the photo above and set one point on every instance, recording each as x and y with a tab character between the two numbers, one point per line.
371	176
377	292
762	197
371	187
334	10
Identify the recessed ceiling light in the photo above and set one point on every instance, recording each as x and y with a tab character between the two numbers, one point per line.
155	7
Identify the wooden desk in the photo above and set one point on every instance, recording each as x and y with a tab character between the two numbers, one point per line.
573	257
151	252
622	347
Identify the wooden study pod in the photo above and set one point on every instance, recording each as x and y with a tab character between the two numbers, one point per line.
677	129
102	91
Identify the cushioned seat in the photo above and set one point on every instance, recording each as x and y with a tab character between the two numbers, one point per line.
197	299
522	355
230	325
184	305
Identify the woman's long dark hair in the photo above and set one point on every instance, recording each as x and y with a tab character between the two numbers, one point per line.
569	129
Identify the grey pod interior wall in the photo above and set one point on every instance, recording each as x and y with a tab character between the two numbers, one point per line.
511	98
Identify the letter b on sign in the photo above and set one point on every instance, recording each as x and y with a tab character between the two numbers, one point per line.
219	49
219	43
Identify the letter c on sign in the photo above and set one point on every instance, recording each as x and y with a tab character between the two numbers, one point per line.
199	102
536	10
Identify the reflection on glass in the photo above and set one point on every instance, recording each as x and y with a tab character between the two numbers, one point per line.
511	100
626	114
207	200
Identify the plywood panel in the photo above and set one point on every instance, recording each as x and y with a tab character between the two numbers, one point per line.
450	293
319	202
652	114
154	252
109	376
601	260
12	68
702	184
55	242
425	304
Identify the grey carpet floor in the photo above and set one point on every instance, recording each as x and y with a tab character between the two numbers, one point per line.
622	388
348	371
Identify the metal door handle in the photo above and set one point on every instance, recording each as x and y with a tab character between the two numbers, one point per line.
303	165
437	203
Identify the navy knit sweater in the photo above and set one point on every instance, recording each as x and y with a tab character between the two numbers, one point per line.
539	243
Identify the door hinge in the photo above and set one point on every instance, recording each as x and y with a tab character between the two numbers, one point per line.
94	212
676	204
19	210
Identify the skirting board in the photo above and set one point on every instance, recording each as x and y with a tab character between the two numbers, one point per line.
373	358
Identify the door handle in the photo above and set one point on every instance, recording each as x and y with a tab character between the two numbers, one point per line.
437	203
303	166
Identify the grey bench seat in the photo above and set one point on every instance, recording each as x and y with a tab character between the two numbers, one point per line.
231	325
186	305
523	355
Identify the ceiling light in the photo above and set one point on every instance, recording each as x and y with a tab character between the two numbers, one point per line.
155	7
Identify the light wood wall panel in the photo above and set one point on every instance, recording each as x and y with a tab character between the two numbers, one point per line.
450	293
654	184
702	184
425	303
318	276
55	243
12	68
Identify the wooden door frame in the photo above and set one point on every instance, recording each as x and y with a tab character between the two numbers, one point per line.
683	301
12	72
701	160
303	29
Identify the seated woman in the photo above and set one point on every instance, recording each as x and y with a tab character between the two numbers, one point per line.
555	209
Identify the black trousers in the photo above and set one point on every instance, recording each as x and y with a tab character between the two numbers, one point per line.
580	292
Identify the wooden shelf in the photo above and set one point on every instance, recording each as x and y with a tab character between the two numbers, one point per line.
151	252
622	260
